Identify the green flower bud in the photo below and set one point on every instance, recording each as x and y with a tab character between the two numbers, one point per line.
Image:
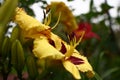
15	34
6	48
17	56
31	66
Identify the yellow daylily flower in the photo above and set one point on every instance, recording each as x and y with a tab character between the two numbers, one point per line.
56	50
49	45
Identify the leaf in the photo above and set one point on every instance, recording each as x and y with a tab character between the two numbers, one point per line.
8	7
6	11
110	71
97	76
105	7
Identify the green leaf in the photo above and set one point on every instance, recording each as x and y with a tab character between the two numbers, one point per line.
6	11
97	76
110	71
105	7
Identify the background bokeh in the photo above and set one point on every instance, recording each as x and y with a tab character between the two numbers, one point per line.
103	17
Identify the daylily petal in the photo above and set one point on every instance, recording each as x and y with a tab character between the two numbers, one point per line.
85	67
72	69
75	60
42	49
85	26
91	35
57	41
27	22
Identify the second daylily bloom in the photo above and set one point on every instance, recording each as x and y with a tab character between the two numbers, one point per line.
85	26
48	45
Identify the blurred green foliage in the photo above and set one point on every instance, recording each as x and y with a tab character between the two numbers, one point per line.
103	54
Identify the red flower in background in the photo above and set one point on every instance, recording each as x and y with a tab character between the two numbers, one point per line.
84	26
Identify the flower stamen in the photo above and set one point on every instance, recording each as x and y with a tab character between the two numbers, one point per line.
80	39
57	21
73	44
47	20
